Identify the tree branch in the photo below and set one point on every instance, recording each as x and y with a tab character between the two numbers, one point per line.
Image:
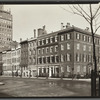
97	28
83	10
81	14
66	9
96	11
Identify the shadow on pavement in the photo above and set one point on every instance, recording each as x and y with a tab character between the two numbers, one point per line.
3	95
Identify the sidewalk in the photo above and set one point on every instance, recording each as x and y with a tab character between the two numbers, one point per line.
88	80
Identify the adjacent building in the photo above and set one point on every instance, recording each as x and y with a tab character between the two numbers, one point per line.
32	57
24	58
6	29
47	54
11	62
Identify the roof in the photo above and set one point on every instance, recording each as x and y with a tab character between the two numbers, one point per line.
25	41
70	29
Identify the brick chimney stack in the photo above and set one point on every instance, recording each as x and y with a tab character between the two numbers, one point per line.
34	33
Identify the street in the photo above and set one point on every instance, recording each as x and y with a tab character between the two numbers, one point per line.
32	87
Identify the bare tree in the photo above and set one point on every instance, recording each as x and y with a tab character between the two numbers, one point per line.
91	15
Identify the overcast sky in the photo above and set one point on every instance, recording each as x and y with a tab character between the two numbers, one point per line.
26	18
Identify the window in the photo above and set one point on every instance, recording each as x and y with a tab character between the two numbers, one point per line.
78	46
89	48
47	49
84	69
46	40
77	58
77	36
39	42
51	58
51	39
62	37
48	59
68	57
39	51
51	49
62	47
68	68
89	57
56	48
89	39
42	41
62	58
68	36
68	46
78	68
56	58
56	38
84	38
84	58
42	50
84	47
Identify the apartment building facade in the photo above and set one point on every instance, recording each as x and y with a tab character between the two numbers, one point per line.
11	62
32	57
47	55
24	58
74	55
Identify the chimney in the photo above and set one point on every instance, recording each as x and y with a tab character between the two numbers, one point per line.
34	33
20	39
68	25
61	26
43	27
40	31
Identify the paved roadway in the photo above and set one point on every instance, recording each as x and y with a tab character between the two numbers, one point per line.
25	87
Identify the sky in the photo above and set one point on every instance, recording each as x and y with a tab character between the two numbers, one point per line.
26	18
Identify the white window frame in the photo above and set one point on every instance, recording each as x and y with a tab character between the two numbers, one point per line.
56	38
78	36
51	49
62	58
68	36
78	46
89	39
42	50
56	47
84	38
84	47
62	37
68	57
84	58
51	40
42	41
62	47
68	68
46	40
68	46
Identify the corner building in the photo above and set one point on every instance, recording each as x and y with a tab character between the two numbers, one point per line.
68	51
